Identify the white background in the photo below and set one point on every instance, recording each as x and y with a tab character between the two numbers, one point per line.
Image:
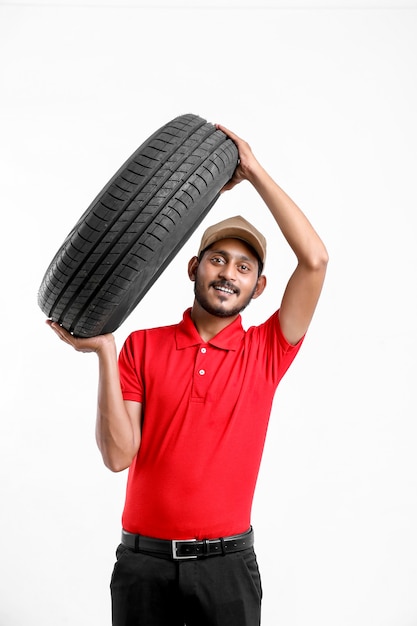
326	94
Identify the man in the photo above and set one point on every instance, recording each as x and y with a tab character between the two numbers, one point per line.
186	409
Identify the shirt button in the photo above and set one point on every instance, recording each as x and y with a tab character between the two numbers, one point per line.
203	350
202	372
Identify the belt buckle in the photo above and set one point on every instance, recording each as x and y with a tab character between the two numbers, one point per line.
174	547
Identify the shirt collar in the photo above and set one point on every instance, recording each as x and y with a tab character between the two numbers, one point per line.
227	339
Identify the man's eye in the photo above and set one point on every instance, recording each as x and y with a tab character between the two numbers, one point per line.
217	259
244	268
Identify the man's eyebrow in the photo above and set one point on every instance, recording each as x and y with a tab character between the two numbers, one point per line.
242	257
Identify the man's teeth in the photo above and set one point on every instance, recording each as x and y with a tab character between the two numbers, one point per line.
225	289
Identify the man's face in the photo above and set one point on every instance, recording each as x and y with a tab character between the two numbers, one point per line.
226	279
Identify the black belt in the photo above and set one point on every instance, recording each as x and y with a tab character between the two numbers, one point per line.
187	548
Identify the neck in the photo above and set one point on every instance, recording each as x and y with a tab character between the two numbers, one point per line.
207	325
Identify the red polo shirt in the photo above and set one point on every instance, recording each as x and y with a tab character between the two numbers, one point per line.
206	407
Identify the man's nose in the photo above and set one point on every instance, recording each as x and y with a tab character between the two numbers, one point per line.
228	271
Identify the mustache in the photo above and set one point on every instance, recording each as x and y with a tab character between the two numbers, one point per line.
226	284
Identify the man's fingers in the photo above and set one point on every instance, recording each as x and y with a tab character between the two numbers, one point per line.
235	138
61	332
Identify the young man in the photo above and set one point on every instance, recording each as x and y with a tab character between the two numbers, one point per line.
186	409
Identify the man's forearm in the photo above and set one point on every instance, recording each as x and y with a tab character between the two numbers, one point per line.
296	228
118	438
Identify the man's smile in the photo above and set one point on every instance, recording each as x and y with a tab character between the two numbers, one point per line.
225	288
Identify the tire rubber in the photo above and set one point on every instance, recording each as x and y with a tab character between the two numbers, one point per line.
136	225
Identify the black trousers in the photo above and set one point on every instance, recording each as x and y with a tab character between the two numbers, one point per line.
211	591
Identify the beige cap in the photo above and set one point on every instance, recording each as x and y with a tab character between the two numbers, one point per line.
235	228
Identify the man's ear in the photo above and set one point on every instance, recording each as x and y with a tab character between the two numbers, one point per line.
260	286
192	268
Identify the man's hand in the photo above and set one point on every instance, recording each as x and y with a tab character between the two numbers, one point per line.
247	164
81	344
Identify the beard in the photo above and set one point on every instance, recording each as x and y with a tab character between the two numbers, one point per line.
218	310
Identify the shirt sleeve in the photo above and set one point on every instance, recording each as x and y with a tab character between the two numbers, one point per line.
275	351
129	369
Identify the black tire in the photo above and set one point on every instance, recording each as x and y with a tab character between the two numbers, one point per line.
136	225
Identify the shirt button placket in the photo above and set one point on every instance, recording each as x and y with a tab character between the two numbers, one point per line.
200	381
202	371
